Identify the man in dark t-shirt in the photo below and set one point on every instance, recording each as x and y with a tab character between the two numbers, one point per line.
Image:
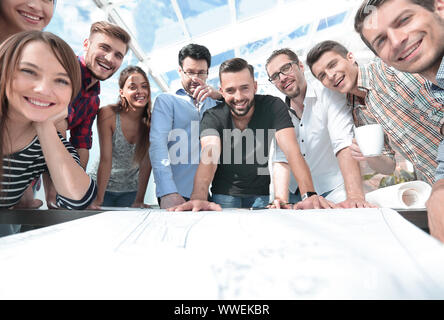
235	140
243	166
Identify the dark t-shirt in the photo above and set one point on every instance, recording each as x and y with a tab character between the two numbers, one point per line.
243	163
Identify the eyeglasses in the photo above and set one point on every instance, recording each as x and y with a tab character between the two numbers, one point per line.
285	70
201	75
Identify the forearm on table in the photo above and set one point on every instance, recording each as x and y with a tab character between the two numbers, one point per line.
286	140
202	180
209	158
351	172
281	180
435	210
69	179
438	187
301	172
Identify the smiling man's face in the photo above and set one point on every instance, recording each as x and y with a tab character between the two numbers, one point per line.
336	72
104	55
406	36
292	84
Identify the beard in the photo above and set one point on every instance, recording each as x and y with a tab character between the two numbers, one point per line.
294	91
295	94
243	112
190	87
95	75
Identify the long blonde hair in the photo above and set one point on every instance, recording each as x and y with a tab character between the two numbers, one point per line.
10	54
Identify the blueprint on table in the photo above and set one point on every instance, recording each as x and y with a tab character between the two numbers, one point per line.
235	254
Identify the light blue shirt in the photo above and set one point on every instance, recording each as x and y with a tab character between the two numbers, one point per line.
440	169
439	79
438	91
174	142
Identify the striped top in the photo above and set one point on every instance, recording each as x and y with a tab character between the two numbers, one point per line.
22	167
407	110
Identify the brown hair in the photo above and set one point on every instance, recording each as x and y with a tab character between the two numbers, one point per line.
368	6
111	30
235	65
10	54
143	139
288	52
318	50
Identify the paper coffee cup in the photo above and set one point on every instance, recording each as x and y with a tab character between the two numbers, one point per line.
370	139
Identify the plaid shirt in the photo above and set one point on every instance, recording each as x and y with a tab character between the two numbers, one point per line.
362	116
83	110
410	115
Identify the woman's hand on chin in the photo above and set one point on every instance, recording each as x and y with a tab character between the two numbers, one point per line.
55	120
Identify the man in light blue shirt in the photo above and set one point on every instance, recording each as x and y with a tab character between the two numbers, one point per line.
174	136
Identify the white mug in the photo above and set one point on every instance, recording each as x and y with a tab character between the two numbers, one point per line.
370	139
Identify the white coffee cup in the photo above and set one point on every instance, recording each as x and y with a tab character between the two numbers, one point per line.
370	139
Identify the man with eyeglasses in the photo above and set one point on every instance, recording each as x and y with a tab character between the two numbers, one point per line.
174	135
324	128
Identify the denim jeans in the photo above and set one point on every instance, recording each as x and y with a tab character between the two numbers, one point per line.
253	201
119	199
296	197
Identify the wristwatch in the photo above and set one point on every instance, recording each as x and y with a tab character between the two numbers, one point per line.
308	195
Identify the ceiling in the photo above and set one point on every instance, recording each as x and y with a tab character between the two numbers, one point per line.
250	29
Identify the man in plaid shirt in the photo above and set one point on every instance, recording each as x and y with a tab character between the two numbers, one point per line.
104	52
408	35
401	102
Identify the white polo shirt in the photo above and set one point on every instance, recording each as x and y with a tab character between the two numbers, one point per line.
326	127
